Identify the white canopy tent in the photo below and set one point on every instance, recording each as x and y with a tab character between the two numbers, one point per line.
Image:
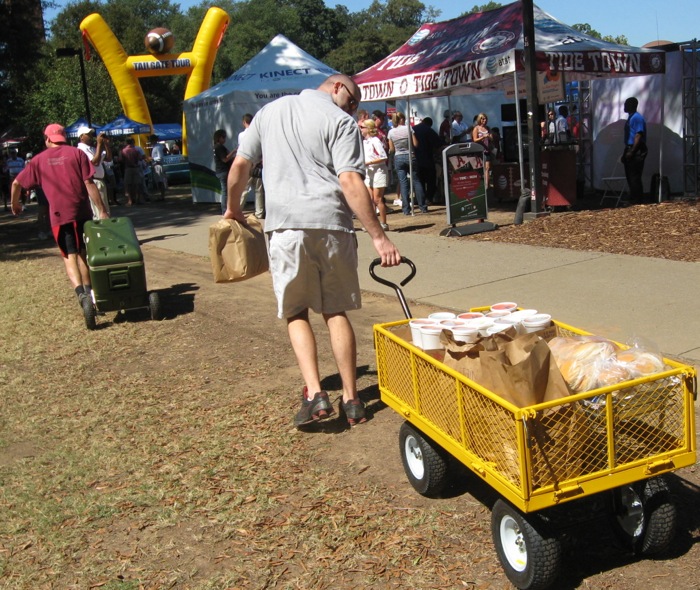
280	69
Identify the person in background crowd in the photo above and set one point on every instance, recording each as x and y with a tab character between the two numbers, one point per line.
313	174
222	164
636	150
573	122
65	174
549	128
562	125
460	130
97	152
496	145
362	115
160	180
427	156
255	182
405	164
481	134
131	159
377	172
445	131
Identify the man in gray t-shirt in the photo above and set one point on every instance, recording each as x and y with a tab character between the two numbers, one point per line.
314	182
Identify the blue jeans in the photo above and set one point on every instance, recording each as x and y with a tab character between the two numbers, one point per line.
401	164
223	179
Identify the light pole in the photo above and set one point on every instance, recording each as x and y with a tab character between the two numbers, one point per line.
72	52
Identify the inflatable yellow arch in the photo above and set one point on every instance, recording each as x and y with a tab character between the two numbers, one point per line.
126	70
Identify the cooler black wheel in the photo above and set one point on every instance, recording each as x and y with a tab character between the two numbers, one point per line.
154	306
424	462
90	313
644	516
530	559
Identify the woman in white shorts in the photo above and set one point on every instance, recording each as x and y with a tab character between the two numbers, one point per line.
377	172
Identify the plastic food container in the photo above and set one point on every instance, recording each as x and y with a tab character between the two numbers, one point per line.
537	322
504	306
415	330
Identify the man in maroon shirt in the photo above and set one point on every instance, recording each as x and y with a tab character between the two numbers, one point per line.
65	175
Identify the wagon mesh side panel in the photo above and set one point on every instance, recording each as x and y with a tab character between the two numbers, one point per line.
561	445
437	395
491	434
648	420
394	369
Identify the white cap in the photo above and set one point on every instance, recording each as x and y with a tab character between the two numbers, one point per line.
83	129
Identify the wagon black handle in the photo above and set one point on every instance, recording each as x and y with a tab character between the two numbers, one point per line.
377	262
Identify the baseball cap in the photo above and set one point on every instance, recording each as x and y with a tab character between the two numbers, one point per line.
55	133
83	129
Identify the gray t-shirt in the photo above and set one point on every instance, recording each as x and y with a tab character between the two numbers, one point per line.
399	137
307	142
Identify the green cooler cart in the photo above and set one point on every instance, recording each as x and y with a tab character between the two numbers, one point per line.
117	271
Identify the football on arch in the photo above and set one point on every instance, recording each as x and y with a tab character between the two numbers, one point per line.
159	41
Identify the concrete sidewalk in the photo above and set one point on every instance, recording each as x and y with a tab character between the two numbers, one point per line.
616	296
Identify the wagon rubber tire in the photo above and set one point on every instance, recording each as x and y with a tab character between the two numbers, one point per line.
154	306
425	463
530	559
644	516
90	313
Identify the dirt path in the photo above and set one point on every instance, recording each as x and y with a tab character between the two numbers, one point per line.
199	479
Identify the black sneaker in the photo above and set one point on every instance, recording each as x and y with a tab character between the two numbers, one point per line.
313	410
354	411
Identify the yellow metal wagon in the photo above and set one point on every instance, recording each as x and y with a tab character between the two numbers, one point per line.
610	443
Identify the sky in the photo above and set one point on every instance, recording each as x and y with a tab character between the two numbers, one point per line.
641	21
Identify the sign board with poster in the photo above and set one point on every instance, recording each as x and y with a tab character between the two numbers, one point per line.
465	195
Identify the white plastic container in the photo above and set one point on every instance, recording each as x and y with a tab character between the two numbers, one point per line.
442	315
470	315
415	325
504	306
521	314
498	313
537	322
466	334
449	324
509	320
430	335
496	328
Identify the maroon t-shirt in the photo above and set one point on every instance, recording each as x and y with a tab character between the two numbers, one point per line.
61	172
131	157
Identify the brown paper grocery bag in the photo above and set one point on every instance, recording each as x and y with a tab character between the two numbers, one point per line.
237	251
523	372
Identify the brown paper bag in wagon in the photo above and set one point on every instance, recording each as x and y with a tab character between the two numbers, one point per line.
523	372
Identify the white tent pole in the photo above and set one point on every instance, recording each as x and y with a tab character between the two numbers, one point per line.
520	130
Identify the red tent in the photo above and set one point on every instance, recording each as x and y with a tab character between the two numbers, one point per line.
482	51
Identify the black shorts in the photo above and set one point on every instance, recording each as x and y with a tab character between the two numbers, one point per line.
69	237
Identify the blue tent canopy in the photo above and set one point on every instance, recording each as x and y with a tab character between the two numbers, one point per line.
72	129
122	125
166	131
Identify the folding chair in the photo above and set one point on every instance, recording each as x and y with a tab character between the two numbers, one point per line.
614	186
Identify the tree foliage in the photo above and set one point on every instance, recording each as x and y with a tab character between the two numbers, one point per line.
586	29
36	87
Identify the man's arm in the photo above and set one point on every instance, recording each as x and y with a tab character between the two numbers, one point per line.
94	195
16	193
237	180
360	202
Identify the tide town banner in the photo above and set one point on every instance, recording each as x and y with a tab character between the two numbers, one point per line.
481	51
